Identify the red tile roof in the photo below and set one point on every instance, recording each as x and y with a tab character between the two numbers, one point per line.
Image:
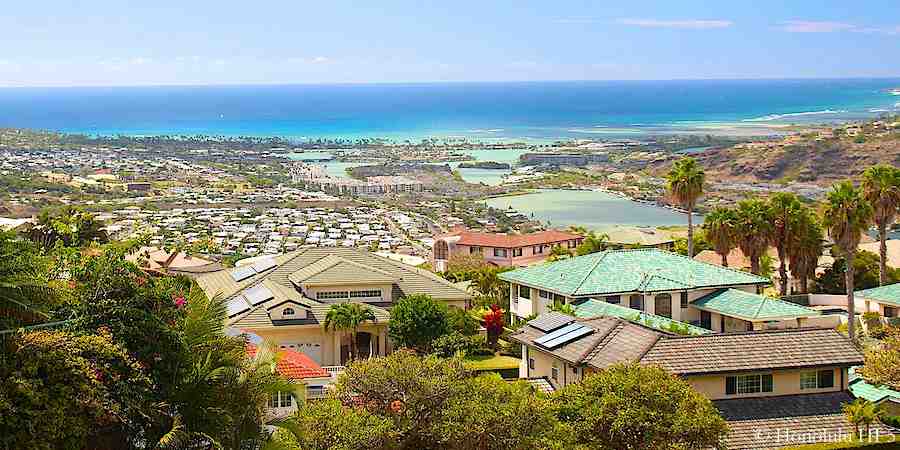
503	240
294	365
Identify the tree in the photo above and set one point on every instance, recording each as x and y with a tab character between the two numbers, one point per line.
70	226
558	252
493	322
881	188
25	294
719	227
416	321
882	365
785	211
638	407
328	425
592	243
865	274
64	390
860	412
348	317
752	229
805	249
411	391
685	186
565	308
461	321
847	215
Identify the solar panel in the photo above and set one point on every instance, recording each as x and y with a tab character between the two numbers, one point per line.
551	321
237	305
264	264
258	294
566	329
242	273
568	337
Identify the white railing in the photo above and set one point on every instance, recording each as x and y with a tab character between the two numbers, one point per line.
316	392
334	371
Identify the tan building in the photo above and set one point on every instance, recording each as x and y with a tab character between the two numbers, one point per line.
284	299
761	381
501	249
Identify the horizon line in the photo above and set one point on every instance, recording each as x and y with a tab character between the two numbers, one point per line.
387	83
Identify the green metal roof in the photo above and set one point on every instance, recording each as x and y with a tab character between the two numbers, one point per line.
861	389
620	271
598	308
751	307
883	294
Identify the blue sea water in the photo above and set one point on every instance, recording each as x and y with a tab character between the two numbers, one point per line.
538	111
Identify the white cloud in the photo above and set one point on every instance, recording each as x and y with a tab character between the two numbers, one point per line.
695	24
813	26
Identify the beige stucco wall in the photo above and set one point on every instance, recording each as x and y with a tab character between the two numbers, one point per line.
543	367
784	382
313	334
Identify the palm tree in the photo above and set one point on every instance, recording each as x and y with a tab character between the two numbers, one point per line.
784	212
860	412
752	229
24	292
558	252
685	186
348	317
719	228
881	188
805	249
847	216
592	243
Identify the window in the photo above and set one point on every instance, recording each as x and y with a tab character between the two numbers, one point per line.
636	301
531	363
332	295
554	372
748	384
821	379
500	252
281	400
287	312
537	249
573	243
365	294
614	299
684	300
474	250
890	311
663	305
517	252
524	292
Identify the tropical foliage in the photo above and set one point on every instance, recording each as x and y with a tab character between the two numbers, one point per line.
719	226
685	186
69	227
882	365
416	321
753	229
881	188
348	317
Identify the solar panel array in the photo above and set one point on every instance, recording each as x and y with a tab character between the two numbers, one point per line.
563	335
551	321
264	265
242	273
237	305
258	294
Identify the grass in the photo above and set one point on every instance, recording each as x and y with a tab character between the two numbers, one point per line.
491	362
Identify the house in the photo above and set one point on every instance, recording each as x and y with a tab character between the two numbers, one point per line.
884	397
284	299
501	249
884	300
164	261
299	369
650	280
762	382
622	236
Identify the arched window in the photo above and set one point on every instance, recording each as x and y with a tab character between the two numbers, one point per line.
663	304
441	250
287	312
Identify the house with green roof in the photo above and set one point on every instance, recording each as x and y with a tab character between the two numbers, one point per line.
884	300
886	398
284	299
649	280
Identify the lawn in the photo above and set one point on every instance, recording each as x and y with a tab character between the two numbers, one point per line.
491	362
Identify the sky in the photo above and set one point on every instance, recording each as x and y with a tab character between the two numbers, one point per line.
199	42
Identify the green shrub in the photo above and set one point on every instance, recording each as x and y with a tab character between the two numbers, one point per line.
453	344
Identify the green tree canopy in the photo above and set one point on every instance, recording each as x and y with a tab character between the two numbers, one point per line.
416	321
638	407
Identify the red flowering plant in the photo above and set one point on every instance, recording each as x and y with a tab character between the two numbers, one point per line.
493	322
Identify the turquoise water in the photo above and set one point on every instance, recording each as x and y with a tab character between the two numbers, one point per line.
529	111
592	209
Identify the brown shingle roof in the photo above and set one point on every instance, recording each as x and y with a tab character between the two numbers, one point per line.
773	422
753	350
613	340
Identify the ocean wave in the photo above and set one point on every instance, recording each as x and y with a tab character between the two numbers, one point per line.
879	110
772	117
489	130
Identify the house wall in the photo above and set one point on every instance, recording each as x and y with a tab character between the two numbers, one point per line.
529	256
840	301
328	342
784	382
543	367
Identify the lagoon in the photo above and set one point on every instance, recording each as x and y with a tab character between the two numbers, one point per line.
594	210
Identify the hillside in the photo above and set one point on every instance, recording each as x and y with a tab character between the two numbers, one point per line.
820	158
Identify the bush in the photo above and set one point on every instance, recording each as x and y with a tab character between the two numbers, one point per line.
461	321
480	346
416	321
453	344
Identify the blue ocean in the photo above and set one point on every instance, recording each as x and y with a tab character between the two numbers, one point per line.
538	111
